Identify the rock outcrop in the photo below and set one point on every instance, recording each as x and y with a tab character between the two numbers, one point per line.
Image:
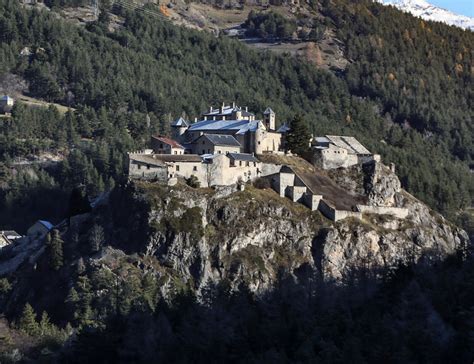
381	184
251	236
192	237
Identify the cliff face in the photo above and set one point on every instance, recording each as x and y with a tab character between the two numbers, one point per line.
250	236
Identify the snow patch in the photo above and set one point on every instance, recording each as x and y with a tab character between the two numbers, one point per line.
425	10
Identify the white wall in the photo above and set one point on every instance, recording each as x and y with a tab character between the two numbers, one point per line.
144	170
398	212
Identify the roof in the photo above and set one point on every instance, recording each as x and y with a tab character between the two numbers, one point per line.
321	140
239	126
222	139
171	142
5	97
243	157
268	110
46	224
177	158
179	122
227	110
283	129
351	144
10	234
147	159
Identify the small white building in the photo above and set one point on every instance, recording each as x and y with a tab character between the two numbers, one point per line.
7	237
6	103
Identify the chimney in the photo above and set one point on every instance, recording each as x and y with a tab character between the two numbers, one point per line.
222	108
233	105
210	109
196	119
246	108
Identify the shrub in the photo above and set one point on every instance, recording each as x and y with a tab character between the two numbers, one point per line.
262	183
193	182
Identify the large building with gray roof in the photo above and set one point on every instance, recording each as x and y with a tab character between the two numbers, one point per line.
335	151
254	136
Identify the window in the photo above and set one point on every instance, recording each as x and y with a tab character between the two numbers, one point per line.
177	168
147	166
139	166
247	164
240	163
203	142
161	146
219	151
258	142
254	164
203	151
175	152
195	168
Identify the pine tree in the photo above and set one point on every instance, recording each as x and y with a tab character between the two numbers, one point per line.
297	139
96	238
5	286
27	322
45	326
55	250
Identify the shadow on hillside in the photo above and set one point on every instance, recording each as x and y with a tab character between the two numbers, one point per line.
413	314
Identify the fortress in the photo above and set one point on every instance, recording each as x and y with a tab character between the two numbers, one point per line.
229	146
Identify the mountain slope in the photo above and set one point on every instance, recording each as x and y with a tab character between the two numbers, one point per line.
426	11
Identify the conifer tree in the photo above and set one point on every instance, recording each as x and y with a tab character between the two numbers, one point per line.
45	326
55	250
27	322
96	238
297	139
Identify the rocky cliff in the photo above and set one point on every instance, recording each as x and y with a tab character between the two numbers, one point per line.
252	236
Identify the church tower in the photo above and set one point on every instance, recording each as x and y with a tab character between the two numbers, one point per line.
269	119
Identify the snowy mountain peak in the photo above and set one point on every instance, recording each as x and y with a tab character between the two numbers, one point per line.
426	11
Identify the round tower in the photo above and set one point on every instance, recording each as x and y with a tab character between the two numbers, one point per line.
179	127
259	138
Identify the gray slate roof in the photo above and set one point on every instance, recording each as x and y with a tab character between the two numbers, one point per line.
283	129
46	224
351	144
239	126
159	160
179	122
243	157
221	139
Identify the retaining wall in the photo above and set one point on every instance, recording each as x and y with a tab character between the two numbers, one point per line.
398	212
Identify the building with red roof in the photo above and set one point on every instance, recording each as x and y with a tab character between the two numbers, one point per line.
163	145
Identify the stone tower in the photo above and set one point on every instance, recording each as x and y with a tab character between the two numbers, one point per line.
178	128
259	138
269	119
